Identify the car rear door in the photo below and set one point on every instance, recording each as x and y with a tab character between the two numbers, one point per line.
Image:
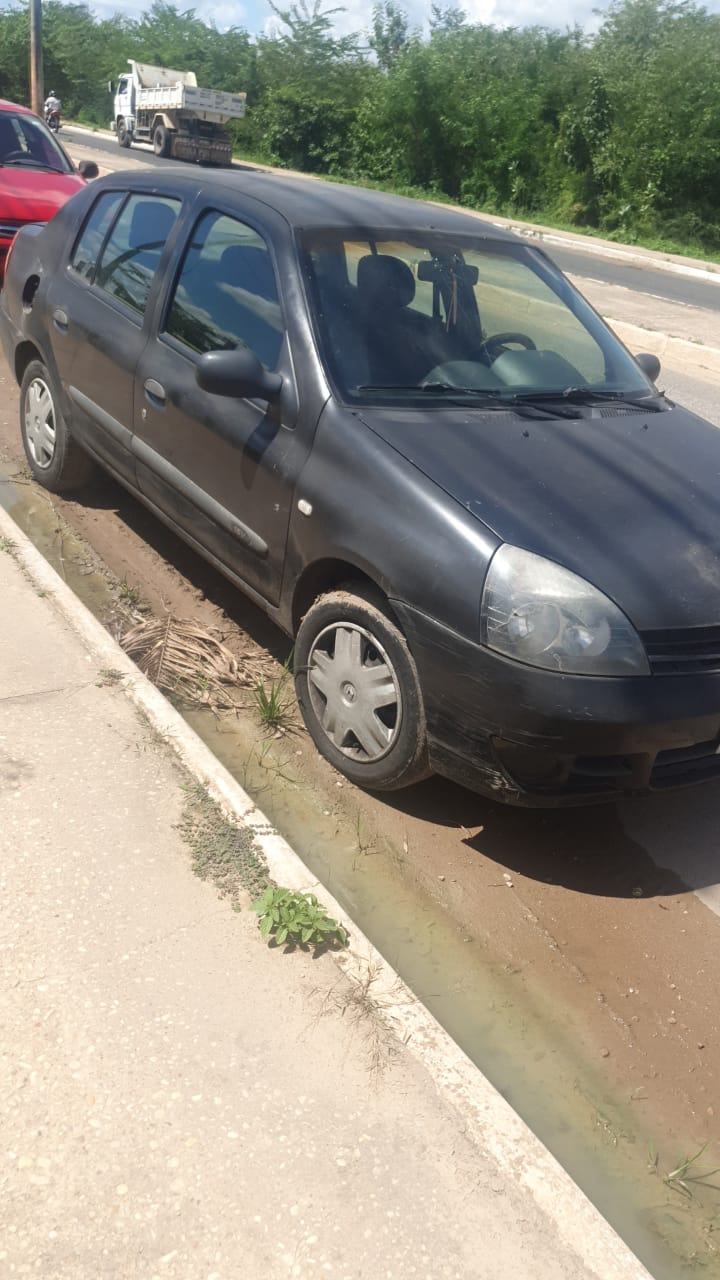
96	313
222	469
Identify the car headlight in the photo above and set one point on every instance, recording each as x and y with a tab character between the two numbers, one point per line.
539	613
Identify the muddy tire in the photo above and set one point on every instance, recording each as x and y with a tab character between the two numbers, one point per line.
358	690
123	134
57	461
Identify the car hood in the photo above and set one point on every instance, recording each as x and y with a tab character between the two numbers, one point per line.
630	501
34	195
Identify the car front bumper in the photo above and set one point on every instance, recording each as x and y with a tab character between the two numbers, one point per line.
541	738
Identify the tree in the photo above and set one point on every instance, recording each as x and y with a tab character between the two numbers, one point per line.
390	33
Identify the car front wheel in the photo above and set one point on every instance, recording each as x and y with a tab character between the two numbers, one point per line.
358	690
56	460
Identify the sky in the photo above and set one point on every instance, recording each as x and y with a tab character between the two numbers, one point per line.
256	15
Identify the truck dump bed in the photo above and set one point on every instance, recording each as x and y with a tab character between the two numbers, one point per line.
208	104
162	89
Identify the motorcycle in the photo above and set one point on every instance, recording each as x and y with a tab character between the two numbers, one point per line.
52	119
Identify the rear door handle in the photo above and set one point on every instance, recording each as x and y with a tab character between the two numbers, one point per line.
60	321
155	393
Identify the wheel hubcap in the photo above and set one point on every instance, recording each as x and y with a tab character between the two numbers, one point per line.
355	692
40	423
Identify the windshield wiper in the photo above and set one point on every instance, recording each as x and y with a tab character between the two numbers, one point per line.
587	395
483	398
31	162
435	388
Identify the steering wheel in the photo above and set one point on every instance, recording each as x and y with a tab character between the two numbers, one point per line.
492	347
15	155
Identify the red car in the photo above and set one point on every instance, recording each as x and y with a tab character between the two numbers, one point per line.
36	174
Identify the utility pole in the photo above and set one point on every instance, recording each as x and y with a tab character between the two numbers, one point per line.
37	95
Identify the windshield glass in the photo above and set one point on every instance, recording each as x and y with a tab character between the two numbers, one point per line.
25	142
410	316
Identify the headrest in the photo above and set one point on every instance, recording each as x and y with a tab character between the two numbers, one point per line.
385	280
249	266
151	223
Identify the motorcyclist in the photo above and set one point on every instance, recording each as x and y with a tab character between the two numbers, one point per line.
52	103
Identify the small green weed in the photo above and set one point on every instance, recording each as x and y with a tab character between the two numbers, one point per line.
7	544
298	919
108	676
272	702
128	595
688	1175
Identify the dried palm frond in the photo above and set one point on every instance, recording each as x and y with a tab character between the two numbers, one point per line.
189	662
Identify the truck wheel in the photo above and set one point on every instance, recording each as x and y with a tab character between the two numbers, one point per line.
162	141
123	135
56	460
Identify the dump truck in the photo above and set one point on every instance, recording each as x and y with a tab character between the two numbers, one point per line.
172	112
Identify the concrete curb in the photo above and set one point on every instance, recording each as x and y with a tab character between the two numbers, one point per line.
488	1119
604	249
677	353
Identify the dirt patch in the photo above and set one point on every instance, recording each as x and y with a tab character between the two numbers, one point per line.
579	915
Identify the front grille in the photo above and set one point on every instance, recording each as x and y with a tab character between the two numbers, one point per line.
683	652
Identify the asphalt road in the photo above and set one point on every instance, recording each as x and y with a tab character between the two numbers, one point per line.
642	279
585	263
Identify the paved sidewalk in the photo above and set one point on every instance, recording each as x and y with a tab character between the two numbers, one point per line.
178	1100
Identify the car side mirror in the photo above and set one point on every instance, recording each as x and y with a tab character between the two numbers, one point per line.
238	374
88	169
649	364
111	86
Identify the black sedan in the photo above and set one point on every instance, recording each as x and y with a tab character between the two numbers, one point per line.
408	438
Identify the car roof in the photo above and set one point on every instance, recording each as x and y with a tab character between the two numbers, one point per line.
309	202
6	105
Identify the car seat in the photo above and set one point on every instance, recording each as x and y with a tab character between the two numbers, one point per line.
399	339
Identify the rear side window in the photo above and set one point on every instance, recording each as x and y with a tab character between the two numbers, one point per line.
131	255
226	295
92	237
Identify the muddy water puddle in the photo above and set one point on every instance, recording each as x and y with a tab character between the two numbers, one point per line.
524	1045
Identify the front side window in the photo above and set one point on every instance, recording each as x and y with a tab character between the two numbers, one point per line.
226	294
132	253
409	315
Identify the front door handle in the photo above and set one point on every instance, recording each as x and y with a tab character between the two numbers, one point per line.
60	321
155	393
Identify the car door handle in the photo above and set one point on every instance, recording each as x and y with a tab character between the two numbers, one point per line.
60	321
155	393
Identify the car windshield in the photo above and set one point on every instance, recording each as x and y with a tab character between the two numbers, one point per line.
25	143
410	316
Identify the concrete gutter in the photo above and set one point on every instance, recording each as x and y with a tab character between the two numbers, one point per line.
487	1119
